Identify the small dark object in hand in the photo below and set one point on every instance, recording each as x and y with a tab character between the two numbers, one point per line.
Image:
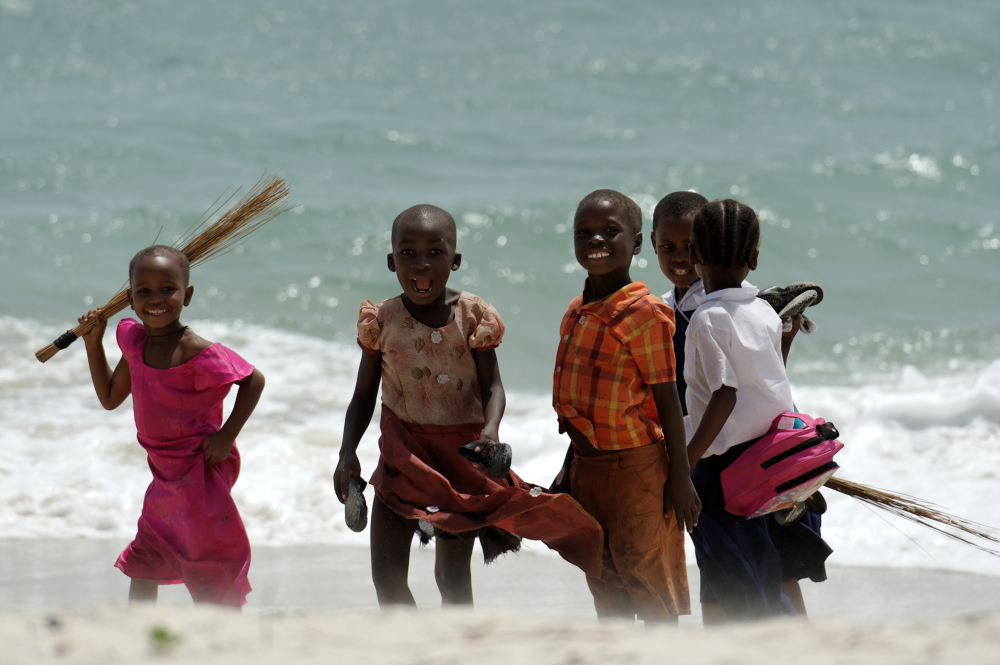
816	504
790	515
356	508
494	457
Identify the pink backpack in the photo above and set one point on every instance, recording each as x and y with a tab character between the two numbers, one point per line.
784	467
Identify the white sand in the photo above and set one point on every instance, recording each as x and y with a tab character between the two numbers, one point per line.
63	601
209	635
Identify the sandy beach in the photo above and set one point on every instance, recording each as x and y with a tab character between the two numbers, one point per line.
62	600
74	575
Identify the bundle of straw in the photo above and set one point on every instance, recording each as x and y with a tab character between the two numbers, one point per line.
202	242
921	512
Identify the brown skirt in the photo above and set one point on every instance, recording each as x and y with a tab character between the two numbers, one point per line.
421	476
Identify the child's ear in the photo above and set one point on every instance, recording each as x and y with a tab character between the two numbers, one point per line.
188	292
131	305
753	259
390	259
652	240
456	262
638	243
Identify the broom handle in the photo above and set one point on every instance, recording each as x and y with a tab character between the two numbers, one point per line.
70	336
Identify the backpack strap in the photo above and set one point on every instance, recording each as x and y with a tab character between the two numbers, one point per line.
791	416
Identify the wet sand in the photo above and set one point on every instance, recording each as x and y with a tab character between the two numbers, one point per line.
49	575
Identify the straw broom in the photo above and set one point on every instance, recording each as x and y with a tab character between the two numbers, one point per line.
201	243
921	512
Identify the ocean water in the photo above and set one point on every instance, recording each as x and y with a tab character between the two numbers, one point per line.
866	136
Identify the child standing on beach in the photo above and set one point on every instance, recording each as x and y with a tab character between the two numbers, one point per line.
736	386
800	547
190	530
614	387
433	350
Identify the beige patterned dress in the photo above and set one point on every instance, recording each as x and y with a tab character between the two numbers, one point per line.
429	374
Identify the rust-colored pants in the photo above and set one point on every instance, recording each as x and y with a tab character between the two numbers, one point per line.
643	561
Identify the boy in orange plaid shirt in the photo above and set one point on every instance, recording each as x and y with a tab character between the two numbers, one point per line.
613	389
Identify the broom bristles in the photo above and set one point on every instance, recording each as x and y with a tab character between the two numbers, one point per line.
921	512
203	242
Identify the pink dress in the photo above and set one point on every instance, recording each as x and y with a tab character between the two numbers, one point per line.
190	530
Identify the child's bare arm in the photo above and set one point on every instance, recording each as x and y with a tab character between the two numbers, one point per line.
218	446
493	395
720	405
679	492
112	387
359	415
788	337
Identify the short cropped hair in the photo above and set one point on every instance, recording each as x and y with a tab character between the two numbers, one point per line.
726	233
633	213
164	251
677	204
426	210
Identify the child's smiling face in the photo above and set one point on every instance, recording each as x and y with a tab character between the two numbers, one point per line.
671	240
423	256
159	291
603	238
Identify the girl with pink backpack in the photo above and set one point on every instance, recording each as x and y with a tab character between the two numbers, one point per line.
736	389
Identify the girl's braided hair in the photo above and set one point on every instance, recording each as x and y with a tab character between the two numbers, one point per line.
726	233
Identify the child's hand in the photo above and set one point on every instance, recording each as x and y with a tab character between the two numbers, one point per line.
349	466
95	334
217	447
796	325
489	435
679	494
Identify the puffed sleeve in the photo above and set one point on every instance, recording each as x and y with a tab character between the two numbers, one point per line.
218	366
369	328
130	335
488	332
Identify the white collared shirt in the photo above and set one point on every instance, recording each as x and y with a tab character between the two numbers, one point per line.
734	339
691	299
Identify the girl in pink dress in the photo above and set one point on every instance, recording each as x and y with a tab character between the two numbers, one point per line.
433	351
190	530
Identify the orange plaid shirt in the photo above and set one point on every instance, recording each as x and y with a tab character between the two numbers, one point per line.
610	352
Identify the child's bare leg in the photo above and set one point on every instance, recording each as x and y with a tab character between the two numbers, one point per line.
391	535
453	569
794	591
143	591
712	614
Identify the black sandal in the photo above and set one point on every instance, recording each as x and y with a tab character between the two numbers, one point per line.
356	508
493	456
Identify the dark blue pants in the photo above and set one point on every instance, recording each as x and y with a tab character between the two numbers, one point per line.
739	564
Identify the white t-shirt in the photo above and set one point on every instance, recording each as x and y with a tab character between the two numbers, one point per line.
734	339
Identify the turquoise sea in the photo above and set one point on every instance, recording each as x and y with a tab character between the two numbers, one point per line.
866	135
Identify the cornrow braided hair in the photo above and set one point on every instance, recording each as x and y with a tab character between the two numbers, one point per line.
726	233
677	204
165	251
633	213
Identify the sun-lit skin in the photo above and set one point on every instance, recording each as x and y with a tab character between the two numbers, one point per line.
671	241
159	293
423	257
605	243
